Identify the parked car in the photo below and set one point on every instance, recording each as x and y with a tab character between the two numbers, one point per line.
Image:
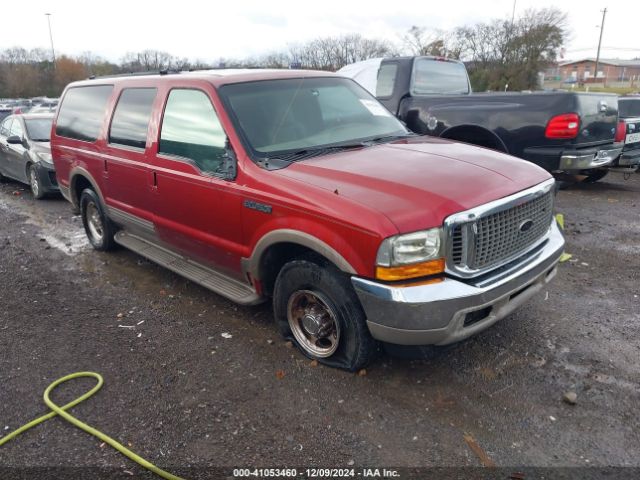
560	131
43	109
299	186
25	154
5	112
629	112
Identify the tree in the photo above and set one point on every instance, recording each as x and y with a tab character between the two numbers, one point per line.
501	53
68	70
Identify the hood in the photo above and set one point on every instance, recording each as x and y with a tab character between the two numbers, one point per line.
417	183
41	147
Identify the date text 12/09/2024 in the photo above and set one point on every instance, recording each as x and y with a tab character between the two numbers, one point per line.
315	473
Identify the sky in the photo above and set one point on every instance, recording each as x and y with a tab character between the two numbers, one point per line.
210	30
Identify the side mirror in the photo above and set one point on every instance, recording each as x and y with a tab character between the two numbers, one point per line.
14	140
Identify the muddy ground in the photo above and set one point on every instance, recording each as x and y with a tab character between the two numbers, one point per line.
185	397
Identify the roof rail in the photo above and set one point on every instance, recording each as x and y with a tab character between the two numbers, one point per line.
137	74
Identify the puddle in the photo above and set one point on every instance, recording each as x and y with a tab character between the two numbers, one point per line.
59	232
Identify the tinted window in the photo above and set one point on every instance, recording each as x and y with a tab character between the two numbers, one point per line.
6	126
629	107
386	79
16	129
191	129
438	77
131	118
39	129
82	112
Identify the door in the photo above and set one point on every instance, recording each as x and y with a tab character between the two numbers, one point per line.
15	161
5	129
197	207
128	188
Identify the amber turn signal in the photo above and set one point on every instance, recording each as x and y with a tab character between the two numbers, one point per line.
403	272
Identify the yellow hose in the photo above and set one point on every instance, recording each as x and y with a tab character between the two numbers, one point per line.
61	411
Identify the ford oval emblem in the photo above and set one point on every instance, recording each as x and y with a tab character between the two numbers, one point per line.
526	225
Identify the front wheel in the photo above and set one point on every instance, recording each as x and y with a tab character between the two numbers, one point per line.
99	229
35	184
316	306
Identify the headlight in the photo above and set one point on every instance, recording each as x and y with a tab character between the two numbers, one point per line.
45	157
411	255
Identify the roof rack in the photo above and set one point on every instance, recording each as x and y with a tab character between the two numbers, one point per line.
137	74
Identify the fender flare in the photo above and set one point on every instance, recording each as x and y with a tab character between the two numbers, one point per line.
251	265
79	171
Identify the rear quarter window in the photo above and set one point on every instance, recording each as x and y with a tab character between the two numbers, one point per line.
82	112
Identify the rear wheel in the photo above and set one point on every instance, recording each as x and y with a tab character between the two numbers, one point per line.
34	183
99	229
316	307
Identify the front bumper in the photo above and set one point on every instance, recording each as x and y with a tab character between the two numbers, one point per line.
47	176
452	310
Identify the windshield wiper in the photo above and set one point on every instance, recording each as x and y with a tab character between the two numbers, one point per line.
281	160
304	153
387	138
41	139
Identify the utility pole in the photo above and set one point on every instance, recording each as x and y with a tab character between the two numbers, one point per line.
53	52
604	14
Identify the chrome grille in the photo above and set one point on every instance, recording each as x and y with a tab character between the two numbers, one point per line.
499	235
457	247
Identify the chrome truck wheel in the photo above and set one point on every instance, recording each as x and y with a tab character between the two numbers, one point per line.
313	323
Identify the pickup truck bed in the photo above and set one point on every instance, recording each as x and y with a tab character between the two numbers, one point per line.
557	130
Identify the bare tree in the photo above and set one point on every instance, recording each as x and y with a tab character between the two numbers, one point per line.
502	53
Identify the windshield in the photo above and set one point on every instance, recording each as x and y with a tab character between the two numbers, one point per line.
292	115
439	77
629	107
39	129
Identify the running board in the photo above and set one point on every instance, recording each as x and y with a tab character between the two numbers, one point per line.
219	283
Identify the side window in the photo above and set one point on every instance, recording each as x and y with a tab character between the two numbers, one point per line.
5	127
82	112
191	129
386	79
131	117
16	129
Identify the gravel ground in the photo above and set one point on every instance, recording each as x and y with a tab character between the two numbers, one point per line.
189	399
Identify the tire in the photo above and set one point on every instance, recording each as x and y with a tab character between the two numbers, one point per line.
34	182
97	226
595	175
317	292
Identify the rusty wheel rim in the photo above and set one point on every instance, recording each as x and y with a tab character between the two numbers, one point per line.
313	323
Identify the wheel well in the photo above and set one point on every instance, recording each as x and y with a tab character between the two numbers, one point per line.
276	256
78	184
476	136
26	169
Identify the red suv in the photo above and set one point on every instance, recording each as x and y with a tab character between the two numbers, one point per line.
299	186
